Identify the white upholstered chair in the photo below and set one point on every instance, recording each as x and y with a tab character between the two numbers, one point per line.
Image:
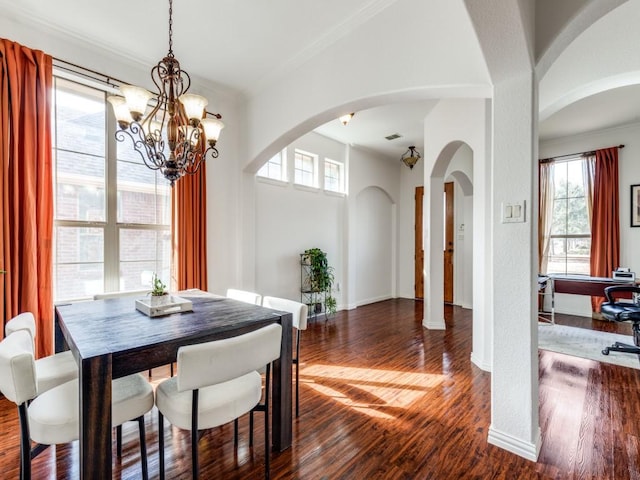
199	398
53	370
52	417
244	296
299	321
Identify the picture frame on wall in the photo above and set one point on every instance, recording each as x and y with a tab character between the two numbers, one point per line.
635	205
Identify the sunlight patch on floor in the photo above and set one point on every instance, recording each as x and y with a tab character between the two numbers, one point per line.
381	388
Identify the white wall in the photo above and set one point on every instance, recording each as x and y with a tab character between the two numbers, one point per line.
356	230
629	174
375	262
460	169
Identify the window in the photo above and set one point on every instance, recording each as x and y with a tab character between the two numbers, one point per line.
305	169
570	232
333	176
276	168
112	214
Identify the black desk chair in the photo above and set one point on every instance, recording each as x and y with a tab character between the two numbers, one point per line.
624	311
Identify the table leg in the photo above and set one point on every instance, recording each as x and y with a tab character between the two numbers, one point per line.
282	416
95	418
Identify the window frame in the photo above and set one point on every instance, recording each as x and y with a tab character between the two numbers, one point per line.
314	172
340	178
567	236
283	177
110	227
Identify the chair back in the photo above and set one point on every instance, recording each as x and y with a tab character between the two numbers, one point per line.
22	321
244	296
215	362
298	310
18	380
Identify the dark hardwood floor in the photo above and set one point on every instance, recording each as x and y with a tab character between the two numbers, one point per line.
383	398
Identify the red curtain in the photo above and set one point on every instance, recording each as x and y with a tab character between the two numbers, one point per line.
605	224
189	231
26	189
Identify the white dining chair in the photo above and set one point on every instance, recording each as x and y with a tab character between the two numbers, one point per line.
201	398
52	417
52	370
299	313
244	296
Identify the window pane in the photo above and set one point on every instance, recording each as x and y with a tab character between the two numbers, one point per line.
80	118
559	225
578	253
142	253
333	176
78	262
304	169
80	187
577	218
274	168
143	196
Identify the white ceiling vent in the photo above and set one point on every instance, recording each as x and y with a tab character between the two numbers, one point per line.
393	136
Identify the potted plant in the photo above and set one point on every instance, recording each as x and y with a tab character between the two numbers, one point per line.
321	278
158	289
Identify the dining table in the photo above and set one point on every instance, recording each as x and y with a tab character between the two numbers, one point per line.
110	338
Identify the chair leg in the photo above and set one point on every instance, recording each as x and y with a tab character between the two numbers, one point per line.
235	434
171	368
25	443
194	435
297	373
119	441
143	448
161	444
251	428
267	437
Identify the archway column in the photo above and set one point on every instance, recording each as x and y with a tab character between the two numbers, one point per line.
514	386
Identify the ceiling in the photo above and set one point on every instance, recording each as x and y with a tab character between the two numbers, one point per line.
285	40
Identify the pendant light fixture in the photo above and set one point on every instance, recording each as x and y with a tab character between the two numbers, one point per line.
177	134
411	157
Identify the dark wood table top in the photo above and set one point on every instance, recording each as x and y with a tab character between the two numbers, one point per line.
114	326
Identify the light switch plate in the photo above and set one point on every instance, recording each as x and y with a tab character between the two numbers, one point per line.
513	212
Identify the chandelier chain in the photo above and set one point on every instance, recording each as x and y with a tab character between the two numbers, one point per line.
171	28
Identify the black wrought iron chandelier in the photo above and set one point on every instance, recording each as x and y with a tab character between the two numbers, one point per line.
177	135
411	157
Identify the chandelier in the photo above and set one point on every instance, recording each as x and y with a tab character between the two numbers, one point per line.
411	157
177	135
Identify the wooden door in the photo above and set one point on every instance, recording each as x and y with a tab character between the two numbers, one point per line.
448	242
419	252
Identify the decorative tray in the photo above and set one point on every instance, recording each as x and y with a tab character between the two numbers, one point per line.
156	306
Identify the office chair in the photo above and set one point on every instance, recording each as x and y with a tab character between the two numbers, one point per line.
622	311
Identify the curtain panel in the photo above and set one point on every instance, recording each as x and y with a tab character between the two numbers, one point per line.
546	193
189	231
605	224
26	189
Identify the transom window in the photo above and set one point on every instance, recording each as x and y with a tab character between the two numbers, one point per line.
276	168
112	214
305	168
333	176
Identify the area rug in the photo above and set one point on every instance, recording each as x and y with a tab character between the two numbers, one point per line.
584	343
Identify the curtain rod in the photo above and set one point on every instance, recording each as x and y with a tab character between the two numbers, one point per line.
87	72
569	155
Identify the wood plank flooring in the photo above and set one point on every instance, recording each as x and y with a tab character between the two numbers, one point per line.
383	398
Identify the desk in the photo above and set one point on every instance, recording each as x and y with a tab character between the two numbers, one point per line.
583	284
110	339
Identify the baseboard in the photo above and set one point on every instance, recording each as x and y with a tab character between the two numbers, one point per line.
431	325
374	300
512	444
480	363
